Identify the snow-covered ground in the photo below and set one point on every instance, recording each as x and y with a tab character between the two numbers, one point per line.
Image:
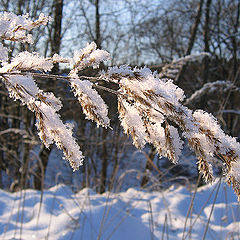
133	214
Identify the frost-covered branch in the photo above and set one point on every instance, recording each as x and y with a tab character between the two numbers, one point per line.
150	108
173	69
149	104
16	74
16	28
210	88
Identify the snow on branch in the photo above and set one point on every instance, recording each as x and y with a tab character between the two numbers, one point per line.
210	88
149	104
173	69
45	106
21	86
26	61
92	104
16	28
89	56
150	108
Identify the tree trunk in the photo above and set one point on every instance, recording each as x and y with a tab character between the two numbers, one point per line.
206	41
104	162
148	166
97	25
41	167
194	28
98	41
234	75
57	29
51	84
235	43
192	36
25	160
115	157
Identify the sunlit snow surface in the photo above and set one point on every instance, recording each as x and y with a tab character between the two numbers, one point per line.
134	214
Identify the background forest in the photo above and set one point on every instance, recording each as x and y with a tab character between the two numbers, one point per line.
138	33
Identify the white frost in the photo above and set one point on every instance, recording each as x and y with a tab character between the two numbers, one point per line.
27	61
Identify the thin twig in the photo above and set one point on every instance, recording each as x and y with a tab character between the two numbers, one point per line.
213	205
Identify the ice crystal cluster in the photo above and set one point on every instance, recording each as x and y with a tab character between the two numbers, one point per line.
149	104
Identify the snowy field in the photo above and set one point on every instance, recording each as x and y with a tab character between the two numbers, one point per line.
133	214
